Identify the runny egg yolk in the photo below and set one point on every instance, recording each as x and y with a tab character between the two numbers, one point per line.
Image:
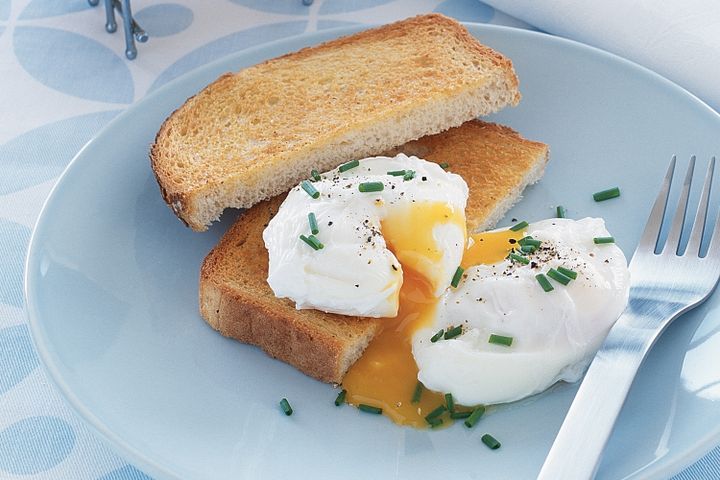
409	234
386	374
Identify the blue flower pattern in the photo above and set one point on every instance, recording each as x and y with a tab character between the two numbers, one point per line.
58	441
164	19
46	46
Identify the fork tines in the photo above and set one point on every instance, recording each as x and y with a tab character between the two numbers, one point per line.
651	238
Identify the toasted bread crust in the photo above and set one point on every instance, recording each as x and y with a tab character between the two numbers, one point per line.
236	300
253	134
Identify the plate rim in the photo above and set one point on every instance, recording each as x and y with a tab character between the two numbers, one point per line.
41	343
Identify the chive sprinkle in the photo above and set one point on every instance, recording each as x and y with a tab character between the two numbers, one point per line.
606	194
371	187
435	422
437	336
444	165
560	211
340	399
460	415
558	277
500	340
285	405
449	402
456	278
519	258
435	413
453	332
312	241
474	416
310	189
490	441
315	175
349	165
313	223
544	282
417	393
529	241
527	248
567	272
370	409
519	226
397	173
409	175
601	240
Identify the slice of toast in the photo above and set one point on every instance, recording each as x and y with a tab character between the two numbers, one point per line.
235	299
254	134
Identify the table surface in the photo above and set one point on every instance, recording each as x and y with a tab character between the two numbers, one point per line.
63	79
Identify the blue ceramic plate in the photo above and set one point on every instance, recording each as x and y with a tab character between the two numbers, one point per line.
112	298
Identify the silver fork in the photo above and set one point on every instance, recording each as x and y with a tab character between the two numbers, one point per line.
663	286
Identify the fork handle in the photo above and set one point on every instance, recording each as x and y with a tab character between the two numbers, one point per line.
576	452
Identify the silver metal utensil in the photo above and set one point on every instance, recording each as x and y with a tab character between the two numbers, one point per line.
663	286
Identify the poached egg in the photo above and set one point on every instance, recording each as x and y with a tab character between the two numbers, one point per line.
554	334
393	253
369	239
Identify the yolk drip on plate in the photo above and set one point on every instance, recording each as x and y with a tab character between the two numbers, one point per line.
386	374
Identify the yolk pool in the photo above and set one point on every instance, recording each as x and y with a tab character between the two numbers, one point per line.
386	374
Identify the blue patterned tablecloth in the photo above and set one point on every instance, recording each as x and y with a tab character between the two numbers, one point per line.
62	78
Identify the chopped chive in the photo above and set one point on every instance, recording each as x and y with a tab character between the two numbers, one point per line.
435	413
397	173
490	441
285	405
460	415
606	194
435	422
544	282
417	393
312	241
371	187
349	165
409	175
453	332
529	241
560	211
500	340
449	402
567	272
313	223
457	276
370	409
310	189
601	240
437	336
340	399
444	165
519	258
528	248
519	226
474	416
558	277
315	175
